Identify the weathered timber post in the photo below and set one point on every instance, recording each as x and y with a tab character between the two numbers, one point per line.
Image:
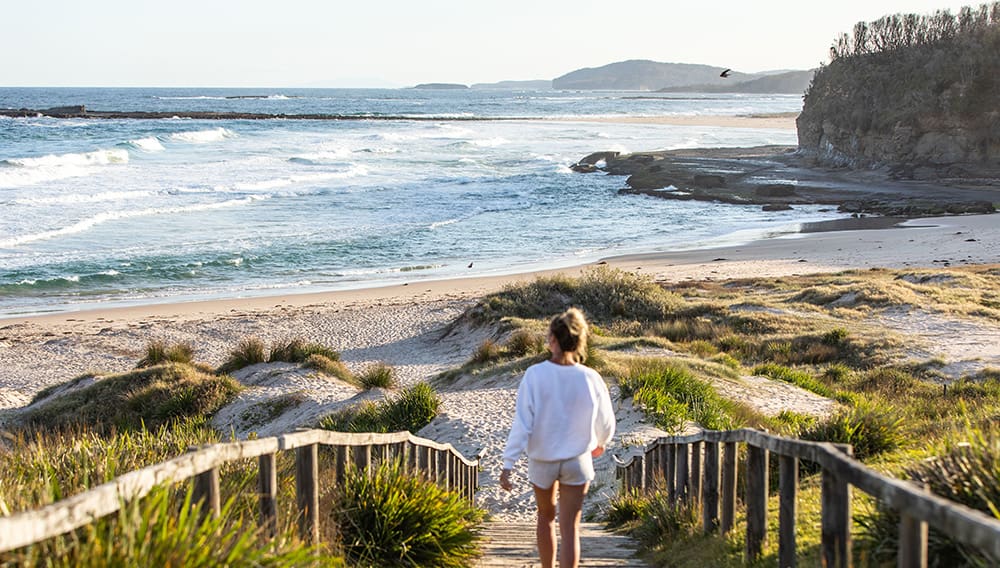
647	470
340	467
362	458
683	464
671	474
267	491
410	450
397	455
661	469
756	501
728	513
694	480
836	519
639	471
443	472
912	541
206	493
788	487
454	472
307	491
710	489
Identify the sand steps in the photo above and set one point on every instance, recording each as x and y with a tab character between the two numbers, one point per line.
512	545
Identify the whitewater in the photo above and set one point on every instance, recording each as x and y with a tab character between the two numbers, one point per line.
112	212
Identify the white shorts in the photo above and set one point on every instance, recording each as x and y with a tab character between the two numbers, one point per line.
574	471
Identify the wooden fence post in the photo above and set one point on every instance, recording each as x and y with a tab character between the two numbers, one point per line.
836	519
206	493
694	480
710	489
362	458
728	513
267	489
672	472
756	501
647	470
412	460
912	541
683	469
340	468
788	487
640	472
442	469
307	491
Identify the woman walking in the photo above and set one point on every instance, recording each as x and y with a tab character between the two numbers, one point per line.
563	420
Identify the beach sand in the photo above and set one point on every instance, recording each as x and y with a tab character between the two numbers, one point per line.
403	325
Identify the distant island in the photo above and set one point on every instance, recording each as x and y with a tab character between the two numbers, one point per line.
441	86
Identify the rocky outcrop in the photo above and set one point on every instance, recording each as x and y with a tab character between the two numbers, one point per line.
778	178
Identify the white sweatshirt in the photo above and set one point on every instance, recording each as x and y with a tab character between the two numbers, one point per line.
563	411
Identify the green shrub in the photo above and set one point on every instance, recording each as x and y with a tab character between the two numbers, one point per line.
837	373
886	380
412	409
151	397
380	375
727	360
389	518
798	378
158	352
297	350
250	351
692	329
871	429
523	342
967	473
835	336
665	520
626	508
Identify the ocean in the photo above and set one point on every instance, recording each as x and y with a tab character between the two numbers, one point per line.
97	213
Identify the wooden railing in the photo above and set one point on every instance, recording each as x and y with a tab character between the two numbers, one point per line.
439	462
703	467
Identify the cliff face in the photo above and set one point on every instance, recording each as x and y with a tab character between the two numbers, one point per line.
927	105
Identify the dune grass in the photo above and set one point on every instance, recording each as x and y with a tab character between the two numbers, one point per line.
148	398
411	409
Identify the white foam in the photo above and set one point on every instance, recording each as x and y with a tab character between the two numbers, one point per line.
84	198
100	218
355	170
202	136
442	223
491	142
150	144
29	171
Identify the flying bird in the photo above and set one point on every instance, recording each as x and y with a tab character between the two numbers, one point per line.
470	265
725	73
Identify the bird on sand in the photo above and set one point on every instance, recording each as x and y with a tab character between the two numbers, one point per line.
725	73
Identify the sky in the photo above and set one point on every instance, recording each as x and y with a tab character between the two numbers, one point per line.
398	43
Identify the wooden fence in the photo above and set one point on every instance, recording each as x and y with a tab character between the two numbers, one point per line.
440	462
703	467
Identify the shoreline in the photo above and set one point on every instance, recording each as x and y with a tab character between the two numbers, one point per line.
817	247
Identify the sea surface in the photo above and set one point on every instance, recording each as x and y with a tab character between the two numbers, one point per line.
96	213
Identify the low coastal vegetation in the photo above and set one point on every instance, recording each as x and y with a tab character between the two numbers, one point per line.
679	349
78	435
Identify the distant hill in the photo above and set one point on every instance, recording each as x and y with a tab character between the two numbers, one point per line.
539	85
440	86
644	75
791	82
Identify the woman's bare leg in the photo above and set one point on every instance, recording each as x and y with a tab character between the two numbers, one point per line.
545	532
570	507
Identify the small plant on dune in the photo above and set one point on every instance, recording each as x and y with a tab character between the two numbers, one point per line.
331	367
837	373
788	375
870	429
626	508
158	352
390	518
523	342
671	395
379	375
250	351
412	409
298	350
665	520
967	472
487	352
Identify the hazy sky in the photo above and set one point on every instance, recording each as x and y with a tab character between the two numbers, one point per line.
301	43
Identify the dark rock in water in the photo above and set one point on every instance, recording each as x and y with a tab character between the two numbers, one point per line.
777	207
65	110
593	159
582	168
709	181
775	190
